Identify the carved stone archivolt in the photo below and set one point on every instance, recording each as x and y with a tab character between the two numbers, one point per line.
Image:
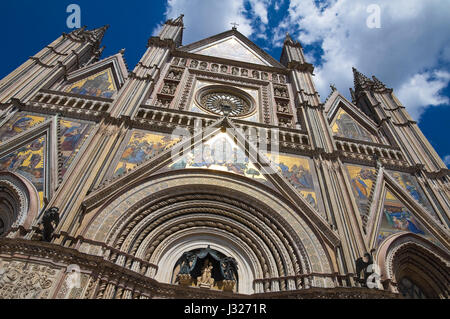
407	254
154	219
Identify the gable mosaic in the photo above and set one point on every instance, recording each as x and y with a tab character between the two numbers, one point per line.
140	147
73	134
18	124
345	126
222	154
233	49
397	218
100	84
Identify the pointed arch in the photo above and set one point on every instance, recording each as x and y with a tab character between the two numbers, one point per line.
406	255
19	202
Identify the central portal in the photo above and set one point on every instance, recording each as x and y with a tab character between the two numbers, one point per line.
208	269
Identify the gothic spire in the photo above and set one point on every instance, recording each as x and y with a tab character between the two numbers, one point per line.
94	35
378	84
360	80
177	22
288	39
98	34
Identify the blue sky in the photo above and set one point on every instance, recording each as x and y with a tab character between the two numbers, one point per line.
410	52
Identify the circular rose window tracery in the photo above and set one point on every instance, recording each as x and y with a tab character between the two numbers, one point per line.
224	101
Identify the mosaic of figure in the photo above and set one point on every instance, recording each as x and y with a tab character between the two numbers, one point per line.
361	179
397	218
222	154
409	183
29	162
19	123
72	136
141	147
298	172
100	84
345	126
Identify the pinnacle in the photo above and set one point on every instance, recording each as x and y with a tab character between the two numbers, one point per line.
177	22
359	79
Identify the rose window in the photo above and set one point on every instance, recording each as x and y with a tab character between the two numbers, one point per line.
225	103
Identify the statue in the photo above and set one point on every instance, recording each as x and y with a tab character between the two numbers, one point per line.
206	280
362	264
50	220
229	268
186	259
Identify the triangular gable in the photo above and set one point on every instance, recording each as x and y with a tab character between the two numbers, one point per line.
232	45
30	160
346	120
100	79
396	218
232	49
160	163
220	153
344	125
390	196
18	124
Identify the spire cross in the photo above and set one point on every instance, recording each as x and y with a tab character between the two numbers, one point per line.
235	25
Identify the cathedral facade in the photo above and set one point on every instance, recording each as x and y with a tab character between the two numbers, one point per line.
212	170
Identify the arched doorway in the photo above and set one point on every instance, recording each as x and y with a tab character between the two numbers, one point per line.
409	289
159	220
414	267
18	202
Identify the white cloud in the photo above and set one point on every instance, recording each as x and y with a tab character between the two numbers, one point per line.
403	53
206	18
447	160
423	90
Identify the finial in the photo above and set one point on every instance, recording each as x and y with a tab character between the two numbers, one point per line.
235	25
122	51
333	87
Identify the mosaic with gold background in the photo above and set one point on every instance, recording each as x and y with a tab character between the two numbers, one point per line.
362	179
222	154
141	147
28	161
100	85
18	124
345	126
397	218
73	134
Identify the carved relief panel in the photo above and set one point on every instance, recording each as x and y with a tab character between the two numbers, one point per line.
20	280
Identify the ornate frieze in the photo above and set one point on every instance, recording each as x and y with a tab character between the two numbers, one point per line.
22	280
